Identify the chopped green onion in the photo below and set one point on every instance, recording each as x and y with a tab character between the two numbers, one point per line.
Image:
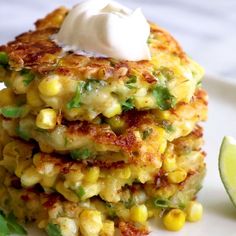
127	105
130	83
161	203
8	225
28	75
53	230
80	191
4	58
12	111
76	100
22	134
80	154
164	99
146	133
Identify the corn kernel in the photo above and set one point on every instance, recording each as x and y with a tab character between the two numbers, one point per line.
169	164
144	102
46	119
124	173
174	220
7	97
194	211
30	177
68	194
114	109
116	122
139	214
33	98
68	226
91	176
108	228
18	83
45	148
48	182
177	176
50	86
90	222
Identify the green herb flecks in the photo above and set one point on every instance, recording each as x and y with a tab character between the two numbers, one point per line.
53	230
146	133
4	58
80	192
111	210
80	154
22	133
8	226
167	126
13	111
131	82
28	76
76	100
128	204
127	105
164	99
92	84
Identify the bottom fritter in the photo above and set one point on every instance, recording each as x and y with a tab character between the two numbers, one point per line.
92	217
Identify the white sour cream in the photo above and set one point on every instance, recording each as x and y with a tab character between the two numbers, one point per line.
105	28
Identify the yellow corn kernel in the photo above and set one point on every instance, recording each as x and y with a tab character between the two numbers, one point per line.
194	211
163	146
116	122
33	98
177	176
114	109
67	226
46	119
91	175
108	228
7	97
91	190
73	113
68	194
144	102
124	173
169	164
48	181
151	213
122	212
139	214
90	222
18	83
45	148
30	177
174	220
50	86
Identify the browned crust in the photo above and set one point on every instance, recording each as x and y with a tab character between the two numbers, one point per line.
128	229
36	50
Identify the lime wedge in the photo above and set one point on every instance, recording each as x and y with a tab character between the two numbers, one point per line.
227	166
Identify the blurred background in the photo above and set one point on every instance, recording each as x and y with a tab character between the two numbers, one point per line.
206	29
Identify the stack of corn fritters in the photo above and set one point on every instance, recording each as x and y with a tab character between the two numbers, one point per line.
89	145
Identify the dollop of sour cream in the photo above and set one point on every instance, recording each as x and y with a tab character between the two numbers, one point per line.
104	28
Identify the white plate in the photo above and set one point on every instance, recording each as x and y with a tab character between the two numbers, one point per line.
219	214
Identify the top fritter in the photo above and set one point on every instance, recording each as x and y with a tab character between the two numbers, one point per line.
40	74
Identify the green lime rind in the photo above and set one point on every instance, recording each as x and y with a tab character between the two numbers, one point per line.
227	166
